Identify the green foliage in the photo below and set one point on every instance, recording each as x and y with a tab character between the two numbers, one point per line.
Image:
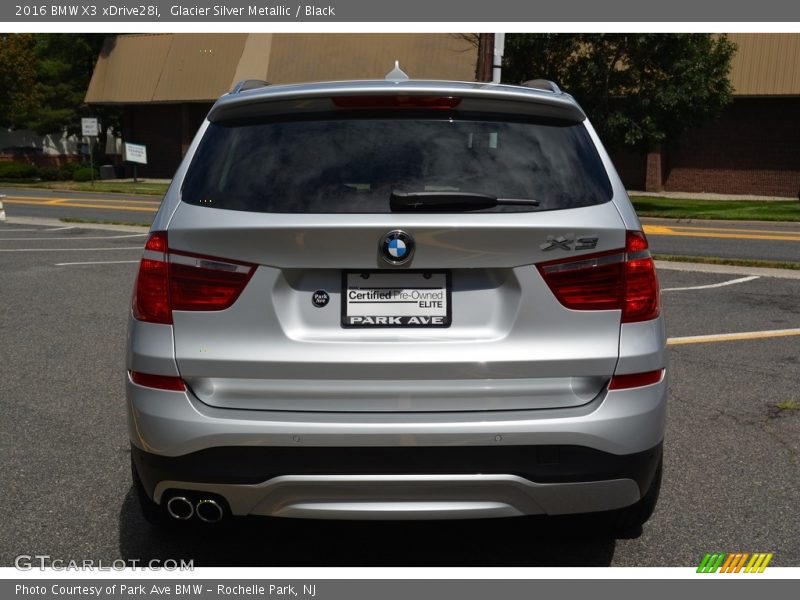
49	174
85	174
43	81
750	210
17	77
788	405
123	187
67	169
64	66
18	170
639	90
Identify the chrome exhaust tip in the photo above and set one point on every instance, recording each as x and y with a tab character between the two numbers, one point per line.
209	511
180	508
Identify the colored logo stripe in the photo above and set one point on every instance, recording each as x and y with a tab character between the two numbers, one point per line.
734	562
758	563
711	562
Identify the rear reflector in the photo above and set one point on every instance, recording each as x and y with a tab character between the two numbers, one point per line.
430	102
172	280
622	279
634	380
161	382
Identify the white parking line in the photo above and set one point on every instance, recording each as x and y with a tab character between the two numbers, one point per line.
712	285
40	230
97	262
68	249
96	237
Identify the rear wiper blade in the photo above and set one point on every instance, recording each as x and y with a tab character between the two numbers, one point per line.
450	201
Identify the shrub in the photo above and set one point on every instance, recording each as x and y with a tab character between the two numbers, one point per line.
18	170
71	167
84	174
68	169
49	174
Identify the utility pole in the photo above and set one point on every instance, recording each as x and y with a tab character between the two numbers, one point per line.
497	53
483	71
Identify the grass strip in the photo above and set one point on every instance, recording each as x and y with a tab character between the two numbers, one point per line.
115	187
730	210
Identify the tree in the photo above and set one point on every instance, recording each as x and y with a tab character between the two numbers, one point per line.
43	81
17	77
45	76
639	90
65	62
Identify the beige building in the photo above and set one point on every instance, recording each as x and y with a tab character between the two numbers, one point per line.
167	82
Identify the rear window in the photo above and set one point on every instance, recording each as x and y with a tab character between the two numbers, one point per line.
352	165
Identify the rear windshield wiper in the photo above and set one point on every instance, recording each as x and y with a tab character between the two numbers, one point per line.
450	201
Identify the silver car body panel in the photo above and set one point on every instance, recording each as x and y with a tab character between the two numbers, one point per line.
176	423
514	368
507	324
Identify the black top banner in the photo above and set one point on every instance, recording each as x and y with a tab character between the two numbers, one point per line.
443	11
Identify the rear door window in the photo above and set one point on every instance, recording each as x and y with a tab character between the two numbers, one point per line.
352	165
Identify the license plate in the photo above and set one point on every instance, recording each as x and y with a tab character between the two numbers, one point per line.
396	299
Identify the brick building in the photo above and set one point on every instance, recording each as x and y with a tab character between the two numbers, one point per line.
754	148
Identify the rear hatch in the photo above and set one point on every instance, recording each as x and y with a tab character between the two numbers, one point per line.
345	300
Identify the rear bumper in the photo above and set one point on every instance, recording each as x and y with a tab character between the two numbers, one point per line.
399	497
595	457
403	483
174	424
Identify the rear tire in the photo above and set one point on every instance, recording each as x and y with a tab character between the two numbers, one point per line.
152	512
636	515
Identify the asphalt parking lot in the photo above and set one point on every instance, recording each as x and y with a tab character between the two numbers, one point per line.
732	474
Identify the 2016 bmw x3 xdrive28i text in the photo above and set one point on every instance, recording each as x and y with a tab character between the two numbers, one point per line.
396	300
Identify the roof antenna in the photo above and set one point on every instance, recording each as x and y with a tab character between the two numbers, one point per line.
397	74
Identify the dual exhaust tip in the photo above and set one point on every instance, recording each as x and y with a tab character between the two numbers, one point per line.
206	509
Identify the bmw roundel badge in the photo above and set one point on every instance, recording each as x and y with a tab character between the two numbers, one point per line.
397	247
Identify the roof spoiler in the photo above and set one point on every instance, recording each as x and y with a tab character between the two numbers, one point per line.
542	84
248	84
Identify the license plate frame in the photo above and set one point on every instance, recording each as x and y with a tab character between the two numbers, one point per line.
406	321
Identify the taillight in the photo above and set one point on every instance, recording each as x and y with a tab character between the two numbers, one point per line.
161	382
173	280
634	380
204	283
151	292
617	280
642	294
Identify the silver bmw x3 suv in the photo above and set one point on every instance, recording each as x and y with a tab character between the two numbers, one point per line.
396	300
